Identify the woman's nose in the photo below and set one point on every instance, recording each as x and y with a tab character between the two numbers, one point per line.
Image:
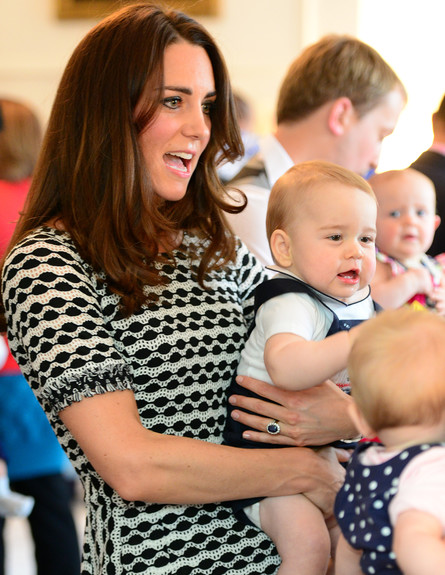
197	125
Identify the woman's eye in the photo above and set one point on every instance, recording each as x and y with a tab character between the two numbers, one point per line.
172	102
208	107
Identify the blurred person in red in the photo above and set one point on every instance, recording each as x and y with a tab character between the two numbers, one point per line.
36	464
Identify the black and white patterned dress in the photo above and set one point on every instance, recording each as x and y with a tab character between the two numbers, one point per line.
178	358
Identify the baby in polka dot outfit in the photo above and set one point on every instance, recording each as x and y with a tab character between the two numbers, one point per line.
391	508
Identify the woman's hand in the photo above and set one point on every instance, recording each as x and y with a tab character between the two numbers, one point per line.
315	416
326	478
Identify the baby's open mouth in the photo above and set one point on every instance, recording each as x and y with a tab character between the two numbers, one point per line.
350	274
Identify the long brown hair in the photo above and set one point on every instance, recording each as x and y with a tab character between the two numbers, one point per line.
91	175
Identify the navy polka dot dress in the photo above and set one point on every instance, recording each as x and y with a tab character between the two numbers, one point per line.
361	507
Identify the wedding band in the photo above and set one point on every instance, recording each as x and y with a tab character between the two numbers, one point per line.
273	427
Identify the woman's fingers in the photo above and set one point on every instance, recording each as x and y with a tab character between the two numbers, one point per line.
254	422
314	416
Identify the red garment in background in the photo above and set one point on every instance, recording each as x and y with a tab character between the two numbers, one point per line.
12	200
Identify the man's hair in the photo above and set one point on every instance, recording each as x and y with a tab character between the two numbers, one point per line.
20	140
335	67
397	366
293	188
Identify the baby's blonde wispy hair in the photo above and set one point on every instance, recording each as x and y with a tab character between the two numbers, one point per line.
293	189
397	368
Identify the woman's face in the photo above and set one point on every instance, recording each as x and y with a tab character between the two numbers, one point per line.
174	141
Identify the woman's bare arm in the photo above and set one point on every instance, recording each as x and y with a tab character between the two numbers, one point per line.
143	465
315	416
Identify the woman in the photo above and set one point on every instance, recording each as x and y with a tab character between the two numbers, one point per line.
127	301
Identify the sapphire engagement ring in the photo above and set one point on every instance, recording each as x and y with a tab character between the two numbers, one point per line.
273	427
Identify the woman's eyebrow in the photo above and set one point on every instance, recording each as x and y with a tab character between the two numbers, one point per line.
187	91
181	89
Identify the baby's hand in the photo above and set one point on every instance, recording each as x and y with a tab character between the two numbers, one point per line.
421	280
437	295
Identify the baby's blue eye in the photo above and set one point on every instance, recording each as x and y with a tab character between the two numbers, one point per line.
335	237
395	214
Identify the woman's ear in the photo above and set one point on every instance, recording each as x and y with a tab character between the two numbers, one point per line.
280	248
359	421
341	115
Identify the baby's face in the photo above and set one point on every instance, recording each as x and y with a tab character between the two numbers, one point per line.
406	219
333	241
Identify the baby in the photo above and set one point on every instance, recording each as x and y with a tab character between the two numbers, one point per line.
391	508
321	224
406	222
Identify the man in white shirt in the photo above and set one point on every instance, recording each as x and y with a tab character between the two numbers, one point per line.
338	101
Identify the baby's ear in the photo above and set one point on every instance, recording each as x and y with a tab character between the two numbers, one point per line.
280	248
359	421
437	221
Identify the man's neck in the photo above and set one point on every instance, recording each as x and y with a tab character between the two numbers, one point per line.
308	139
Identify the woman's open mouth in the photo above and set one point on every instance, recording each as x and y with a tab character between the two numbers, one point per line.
179	161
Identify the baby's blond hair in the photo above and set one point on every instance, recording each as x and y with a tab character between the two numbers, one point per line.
291	190
384	180
397	368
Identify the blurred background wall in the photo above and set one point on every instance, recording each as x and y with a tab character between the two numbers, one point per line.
259	39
